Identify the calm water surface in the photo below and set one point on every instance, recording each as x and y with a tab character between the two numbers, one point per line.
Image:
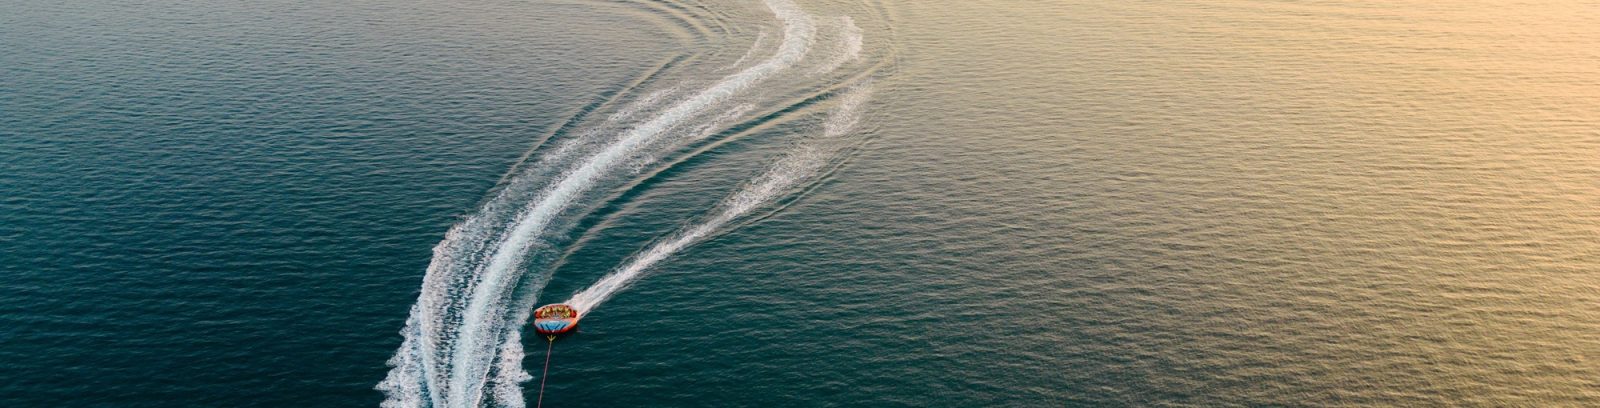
1067	203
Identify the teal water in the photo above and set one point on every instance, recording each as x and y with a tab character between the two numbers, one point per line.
1033	204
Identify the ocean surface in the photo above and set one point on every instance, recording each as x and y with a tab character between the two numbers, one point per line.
798	203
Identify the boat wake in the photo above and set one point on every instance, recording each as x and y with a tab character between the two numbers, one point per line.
796	167
462	343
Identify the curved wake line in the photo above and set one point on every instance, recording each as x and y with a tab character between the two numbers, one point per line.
472	351
761	38
798	165
849	46
462	341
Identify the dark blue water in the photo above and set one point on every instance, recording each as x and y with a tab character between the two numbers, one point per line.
1064	204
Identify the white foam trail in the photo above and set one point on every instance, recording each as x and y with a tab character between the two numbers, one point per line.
649	101
849	46
507	386
465	324
416	378
402	383
761	39
799	164
482	319
720	122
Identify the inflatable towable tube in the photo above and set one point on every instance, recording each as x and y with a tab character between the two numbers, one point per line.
555	319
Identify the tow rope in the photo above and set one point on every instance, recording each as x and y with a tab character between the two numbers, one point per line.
547	350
